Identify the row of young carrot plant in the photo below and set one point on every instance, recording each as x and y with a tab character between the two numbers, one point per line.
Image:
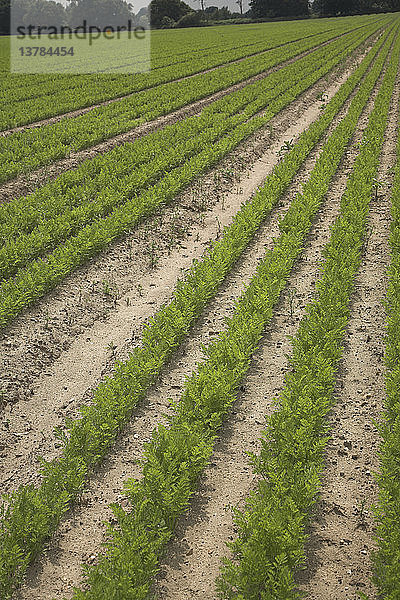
82	131
185	57
386	559
31	514
272	527
26	150
32	281
35	225
25	100
179	451
90	177
204	52
164	69
78	186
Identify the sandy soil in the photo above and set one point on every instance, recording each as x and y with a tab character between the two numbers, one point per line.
193	559
60	389
342	535
80	536
46	331
53	356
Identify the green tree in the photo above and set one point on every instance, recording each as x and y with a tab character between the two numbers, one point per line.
331	8
191	19
4	17
174	9
279	8
37	13
45	13
167	23
217	14
99	13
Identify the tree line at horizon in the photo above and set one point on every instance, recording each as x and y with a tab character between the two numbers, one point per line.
176	13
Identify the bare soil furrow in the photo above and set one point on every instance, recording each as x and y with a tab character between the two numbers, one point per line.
43	334
194	558
27	183
41	337
79	538
342	532
60	390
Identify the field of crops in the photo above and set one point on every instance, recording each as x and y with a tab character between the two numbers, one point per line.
199	320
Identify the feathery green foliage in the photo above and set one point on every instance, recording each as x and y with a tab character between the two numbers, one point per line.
179	451
387	558
87	229
272	535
